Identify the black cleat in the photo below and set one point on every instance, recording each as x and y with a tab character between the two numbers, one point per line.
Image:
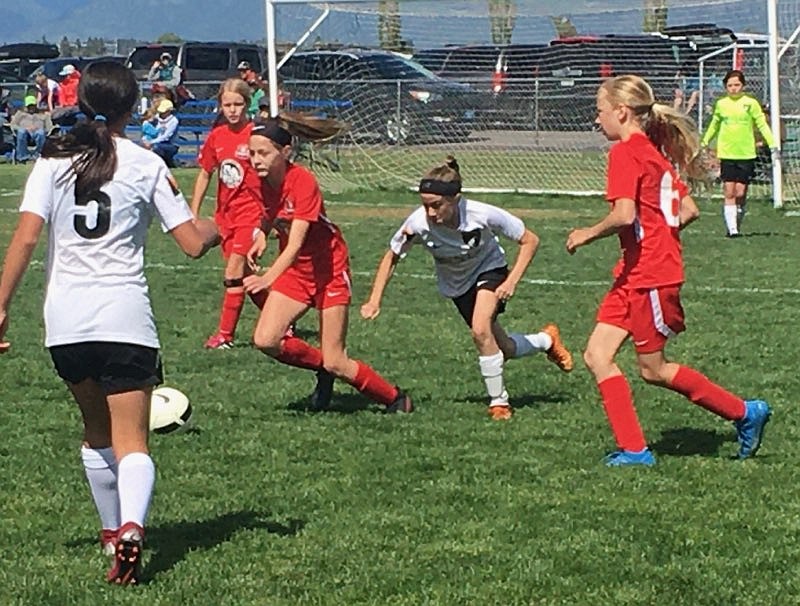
402	403
323	391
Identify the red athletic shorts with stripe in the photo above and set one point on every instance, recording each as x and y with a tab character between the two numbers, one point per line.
320	291
237	239
651	316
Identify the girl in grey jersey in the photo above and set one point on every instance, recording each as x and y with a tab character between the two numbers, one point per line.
98	192
471	269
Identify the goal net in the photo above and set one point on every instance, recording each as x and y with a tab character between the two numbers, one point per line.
508	86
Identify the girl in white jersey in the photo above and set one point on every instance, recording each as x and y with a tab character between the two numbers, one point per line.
98	193
471	269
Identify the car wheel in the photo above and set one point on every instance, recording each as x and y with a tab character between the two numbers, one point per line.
398	128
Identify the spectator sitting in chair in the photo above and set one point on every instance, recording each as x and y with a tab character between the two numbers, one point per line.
165	71
66	112
165	143
30	127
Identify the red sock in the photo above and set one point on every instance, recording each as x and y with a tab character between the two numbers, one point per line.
374	386
296	352
259	298
618	403
232	304
703	392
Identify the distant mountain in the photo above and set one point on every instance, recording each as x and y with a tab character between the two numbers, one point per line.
29	20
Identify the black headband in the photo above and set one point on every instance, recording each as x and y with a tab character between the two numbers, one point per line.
273	132
442	188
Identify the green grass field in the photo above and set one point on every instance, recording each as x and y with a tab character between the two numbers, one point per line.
264	503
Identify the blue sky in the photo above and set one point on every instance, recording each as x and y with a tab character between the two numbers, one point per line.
28	20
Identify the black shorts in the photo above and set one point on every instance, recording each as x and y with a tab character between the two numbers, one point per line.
116	367
488	280
737	171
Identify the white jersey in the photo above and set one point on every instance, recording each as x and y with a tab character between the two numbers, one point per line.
462	254
96	289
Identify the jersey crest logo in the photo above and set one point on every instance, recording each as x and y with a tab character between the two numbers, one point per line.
472	238
231	173
242	151
288	204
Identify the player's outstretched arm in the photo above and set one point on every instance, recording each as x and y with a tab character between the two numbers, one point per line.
18	257
372	307
528	245
622	215
195	238
199	191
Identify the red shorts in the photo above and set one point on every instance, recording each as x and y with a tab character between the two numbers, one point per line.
651	316
318	292
237	240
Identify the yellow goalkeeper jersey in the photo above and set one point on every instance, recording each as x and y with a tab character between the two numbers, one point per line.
732	124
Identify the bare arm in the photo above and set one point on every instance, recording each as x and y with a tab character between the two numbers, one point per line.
195	238
297	237
528	245
18	257
199	191
688	212
622	214
383	275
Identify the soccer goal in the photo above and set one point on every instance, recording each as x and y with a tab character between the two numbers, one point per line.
508	86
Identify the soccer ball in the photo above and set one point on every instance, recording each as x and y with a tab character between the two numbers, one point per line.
170	411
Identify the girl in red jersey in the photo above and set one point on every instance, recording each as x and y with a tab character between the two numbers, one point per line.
649	207
240	208
312	268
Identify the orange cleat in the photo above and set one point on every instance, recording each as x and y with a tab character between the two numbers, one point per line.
500	412
558	354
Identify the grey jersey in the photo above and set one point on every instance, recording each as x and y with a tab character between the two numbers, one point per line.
462	254
96	288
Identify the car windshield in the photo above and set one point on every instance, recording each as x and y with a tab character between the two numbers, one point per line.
395	67
143	58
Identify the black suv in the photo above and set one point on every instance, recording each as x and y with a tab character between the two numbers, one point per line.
199	61
382	95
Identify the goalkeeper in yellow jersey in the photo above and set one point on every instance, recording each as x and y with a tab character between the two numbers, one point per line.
736	116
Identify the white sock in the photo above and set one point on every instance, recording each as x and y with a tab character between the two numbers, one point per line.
100	466
530	344
136	476
729	212
492	373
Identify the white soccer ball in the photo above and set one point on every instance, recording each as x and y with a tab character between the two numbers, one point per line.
170	411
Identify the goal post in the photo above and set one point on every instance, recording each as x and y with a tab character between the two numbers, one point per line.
508	86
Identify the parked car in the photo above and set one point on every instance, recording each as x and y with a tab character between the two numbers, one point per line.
18	60
382	95
199	62
52	67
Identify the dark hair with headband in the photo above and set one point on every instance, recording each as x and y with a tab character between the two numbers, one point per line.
444	180
287	125
106	95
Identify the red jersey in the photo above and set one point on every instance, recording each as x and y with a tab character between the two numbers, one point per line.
651	246
239	201
324	251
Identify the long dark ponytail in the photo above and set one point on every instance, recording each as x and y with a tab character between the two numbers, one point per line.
106	95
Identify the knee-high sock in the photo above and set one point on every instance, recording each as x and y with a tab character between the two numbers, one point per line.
492	373
136	476
100	466
530	344
232	304
702	391
373	385
618	404
296	352
729	213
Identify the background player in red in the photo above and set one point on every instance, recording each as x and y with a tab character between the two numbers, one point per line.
240	208
649	206
472	270
312	268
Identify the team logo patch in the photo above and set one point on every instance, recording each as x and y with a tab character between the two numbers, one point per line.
472	238
231	173
242	151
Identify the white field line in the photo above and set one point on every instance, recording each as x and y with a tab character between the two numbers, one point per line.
533	281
